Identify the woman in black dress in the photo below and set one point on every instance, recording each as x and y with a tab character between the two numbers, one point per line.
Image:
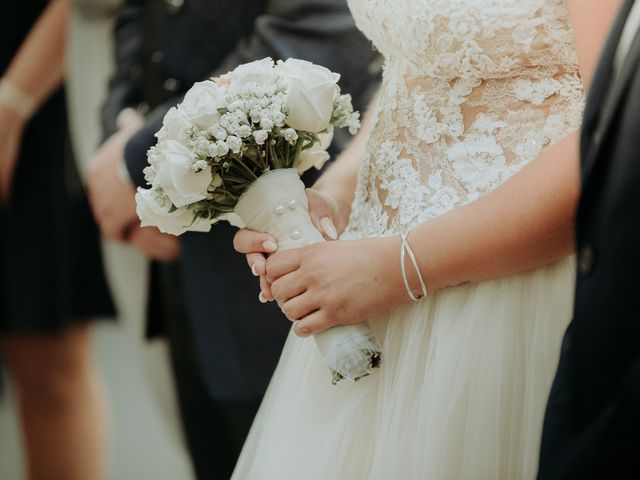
51	278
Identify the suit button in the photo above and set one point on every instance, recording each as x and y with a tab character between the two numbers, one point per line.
171	84
157	56
174	6
586	260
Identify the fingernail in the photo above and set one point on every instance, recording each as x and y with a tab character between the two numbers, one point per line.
261	298
329	227
304	332
270	246
253	270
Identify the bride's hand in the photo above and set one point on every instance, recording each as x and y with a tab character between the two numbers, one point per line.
328	216
337	283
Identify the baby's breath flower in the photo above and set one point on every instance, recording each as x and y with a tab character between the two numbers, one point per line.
278	117
226	121
213	150
217	132
278	101
237	105
199	165
244	131
344	101
223	148
240	117
256	114
149	174
260	136
266	124
234	143
290	135
202	146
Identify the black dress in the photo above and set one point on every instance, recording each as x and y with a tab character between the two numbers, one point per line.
51	270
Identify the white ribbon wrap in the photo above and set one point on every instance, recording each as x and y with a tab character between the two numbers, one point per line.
277	204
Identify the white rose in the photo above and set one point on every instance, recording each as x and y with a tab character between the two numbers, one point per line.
174	125
260	72
201	103
311	92
154	210
316	155
173	164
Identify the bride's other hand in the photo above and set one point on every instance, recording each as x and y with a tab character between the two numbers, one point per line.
327	215
339	283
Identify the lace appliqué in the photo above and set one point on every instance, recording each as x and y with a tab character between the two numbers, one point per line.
473	90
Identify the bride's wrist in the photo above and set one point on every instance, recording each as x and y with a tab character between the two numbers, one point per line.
338	193
344	205
407	284
388	257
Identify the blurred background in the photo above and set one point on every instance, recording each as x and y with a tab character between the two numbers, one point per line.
146	440
126	353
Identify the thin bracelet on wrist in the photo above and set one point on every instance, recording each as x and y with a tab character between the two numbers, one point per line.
405	247
15	99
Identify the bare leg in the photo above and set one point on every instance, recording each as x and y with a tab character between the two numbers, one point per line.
61	404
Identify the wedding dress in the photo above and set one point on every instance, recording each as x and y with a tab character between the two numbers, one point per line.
473	90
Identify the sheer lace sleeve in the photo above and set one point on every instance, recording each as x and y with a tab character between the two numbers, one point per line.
473	91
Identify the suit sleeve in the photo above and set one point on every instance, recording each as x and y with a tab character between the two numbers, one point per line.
320	31
135	151
128	35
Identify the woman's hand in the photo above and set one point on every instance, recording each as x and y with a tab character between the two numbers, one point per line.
156	245
337	283
327	214
11	129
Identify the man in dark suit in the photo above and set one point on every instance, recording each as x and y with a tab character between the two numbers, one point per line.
592	424
224	344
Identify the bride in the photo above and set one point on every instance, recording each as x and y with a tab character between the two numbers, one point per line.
474	92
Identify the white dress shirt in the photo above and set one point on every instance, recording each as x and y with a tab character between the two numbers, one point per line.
628	34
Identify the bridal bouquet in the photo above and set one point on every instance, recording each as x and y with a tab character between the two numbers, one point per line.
234	150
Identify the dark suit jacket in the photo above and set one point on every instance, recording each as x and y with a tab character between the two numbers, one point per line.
592	424
162	48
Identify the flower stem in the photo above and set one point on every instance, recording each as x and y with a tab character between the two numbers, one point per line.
253	175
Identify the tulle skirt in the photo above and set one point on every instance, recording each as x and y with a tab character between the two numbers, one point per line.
460	395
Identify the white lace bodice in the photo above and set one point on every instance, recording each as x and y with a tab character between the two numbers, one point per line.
472	91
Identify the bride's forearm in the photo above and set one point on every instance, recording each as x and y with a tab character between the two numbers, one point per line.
341	177
526	223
